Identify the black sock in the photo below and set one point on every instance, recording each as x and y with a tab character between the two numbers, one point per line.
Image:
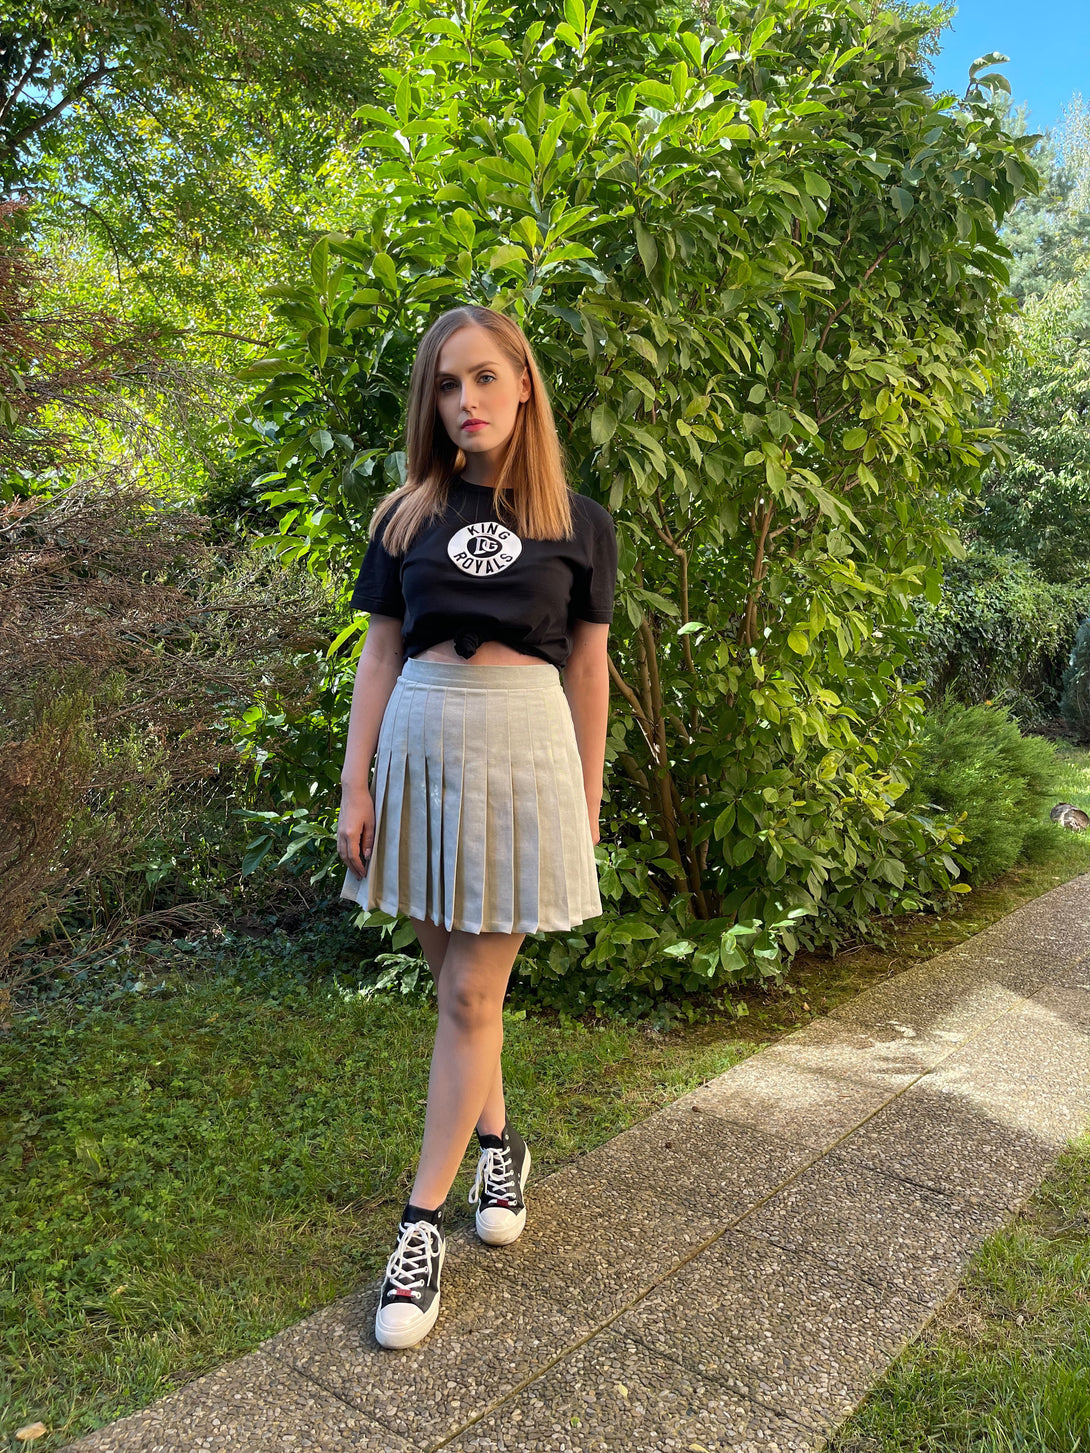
495	1142
418	1213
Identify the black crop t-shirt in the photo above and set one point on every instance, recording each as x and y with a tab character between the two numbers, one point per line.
467	577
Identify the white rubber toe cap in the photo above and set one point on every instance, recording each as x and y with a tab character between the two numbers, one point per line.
498	1226
404	1324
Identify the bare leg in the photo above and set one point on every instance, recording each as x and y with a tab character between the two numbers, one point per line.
471	987
433	941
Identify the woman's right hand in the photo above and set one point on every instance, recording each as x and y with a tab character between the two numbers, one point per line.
356	829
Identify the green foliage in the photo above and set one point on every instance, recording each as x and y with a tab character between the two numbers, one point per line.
1049	232
1075	703
975	765
761	266
1037	501
1002	627
180	136
999	632
294	749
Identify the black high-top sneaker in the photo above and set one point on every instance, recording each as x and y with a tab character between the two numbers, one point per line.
502	1169
409	1303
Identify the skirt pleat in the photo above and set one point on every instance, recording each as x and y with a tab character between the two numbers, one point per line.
498	864
415	829
472	784
454	740
389	854
480	818
433	755
530	831
551	815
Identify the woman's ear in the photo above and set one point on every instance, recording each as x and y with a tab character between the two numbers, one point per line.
526	387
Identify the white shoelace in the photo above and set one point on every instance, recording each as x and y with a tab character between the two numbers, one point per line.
409	1266
496	1174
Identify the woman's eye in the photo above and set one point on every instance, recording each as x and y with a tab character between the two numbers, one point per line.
449	383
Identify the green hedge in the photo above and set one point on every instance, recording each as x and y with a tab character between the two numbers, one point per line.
999	632
1075	704
975	765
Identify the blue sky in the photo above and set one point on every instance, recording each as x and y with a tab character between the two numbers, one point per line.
1048	42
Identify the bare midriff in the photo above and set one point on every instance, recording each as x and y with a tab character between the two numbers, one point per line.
488	653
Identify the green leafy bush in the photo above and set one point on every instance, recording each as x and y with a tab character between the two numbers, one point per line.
1000	632
760	265
976	766
1037	502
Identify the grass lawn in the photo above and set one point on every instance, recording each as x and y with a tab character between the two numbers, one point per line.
196	1158
1005	1366
186	1173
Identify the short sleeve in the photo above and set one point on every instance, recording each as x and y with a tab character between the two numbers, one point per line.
596	580
378	585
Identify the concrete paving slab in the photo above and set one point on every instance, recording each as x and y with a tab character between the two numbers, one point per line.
951	1145
811	1105
700	1160
885	1056
779	1327
885	1230
1013	1102
1030	1071
592	1251
254	1405
1070	976
490	1336
613	1395
1070	1003
924	1013
1052	931
1018	966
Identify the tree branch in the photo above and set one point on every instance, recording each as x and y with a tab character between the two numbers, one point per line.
862	283
138	191
669	796
749	629
682	558
633	701
13	142
117	252
24	78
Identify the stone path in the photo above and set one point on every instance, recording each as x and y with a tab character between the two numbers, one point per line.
733	1273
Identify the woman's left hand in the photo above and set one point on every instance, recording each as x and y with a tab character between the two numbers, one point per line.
595	826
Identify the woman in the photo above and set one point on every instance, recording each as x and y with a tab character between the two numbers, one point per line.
484	576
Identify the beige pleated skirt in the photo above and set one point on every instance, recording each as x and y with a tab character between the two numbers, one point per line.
480	816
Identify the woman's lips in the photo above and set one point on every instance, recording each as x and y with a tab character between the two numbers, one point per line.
473	425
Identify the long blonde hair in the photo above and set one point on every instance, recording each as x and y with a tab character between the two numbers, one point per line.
531	488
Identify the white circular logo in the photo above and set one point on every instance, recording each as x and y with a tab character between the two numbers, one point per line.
484	549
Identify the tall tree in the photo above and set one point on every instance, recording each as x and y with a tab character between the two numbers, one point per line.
1009	612
1037	502
182	132
1049	233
